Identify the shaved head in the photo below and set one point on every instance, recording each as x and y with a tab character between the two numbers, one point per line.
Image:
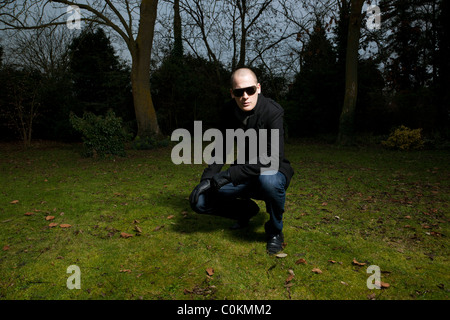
244	82
241	73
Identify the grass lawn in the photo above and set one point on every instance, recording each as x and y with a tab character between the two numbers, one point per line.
126	223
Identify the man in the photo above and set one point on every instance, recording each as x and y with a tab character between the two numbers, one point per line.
228	193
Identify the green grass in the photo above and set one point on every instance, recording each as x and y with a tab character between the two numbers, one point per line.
379	207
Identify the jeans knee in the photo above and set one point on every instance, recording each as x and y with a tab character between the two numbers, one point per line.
272	183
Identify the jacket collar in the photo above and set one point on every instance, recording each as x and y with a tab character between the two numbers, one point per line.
245	117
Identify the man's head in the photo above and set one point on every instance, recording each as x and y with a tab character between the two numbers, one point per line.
245	88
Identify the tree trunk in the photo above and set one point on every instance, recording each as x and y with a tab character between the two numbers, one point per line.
178	40
141	49
243	12
347	119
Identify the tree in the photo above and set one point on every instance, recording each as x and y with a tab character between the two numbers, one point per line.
413	45
346	121
21	100
315	107
119	16
100	80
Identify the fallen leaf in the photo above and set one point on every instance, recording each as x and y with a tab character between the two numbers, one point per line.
5	248
158	228
14	202
29	213
53	224
316	270
125	235
210	271
371	296
384	285
281	255
138	229
301	260
171	216
65	225
125	270
48	218
344	283
290	277
358	263
332	261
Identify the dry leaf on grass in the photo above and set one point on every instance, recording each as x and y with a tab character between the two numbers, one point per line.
29	213
48	218
65	225
210	271
290	277
316	270
14	202
125	270
301	260
125	235
281	255
358	263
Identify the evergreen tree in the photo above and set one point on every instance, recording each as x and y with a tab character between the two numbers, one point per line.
315	96
100	80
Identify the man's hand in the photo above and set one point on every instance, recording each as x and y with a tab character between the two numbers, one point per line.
220	179
202	187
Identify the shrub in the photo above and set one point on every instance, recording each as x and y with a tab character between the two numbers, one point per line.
148	143
101	135
404	138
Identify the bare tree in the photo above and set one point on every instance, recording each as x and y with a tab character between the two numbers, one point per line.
41	49
238	32
22	106
132	20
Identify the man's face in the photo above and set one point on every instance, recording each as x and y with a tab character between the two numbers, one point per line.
246	102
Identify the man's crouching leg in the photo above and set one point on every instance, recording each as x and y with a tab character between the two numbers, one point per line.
274	194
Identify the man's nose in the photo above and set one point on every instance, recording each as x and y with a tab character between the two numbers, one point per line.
245	95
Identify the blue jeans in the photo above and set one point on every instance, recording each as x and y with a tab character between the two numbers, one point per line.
235	202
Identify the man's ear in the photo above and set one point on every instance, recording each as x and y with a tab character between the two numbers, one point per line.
259	88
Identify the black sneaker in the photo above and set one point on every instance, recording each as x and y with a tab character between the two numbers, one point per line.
275	243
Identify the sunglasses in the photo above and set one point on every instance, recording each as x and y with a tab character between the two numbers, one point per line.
240	92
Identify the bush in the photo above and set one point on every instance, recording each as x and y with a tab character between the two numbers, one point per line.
404	138
101	135
148	143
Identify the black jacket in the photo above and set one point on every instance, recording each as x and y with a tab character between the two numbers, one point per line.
267	114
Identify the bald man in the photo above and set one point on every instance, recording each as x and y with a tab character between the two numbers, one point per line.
229	193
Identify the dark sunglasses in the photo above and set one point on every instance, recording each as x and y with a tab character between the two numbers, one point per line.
240	92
